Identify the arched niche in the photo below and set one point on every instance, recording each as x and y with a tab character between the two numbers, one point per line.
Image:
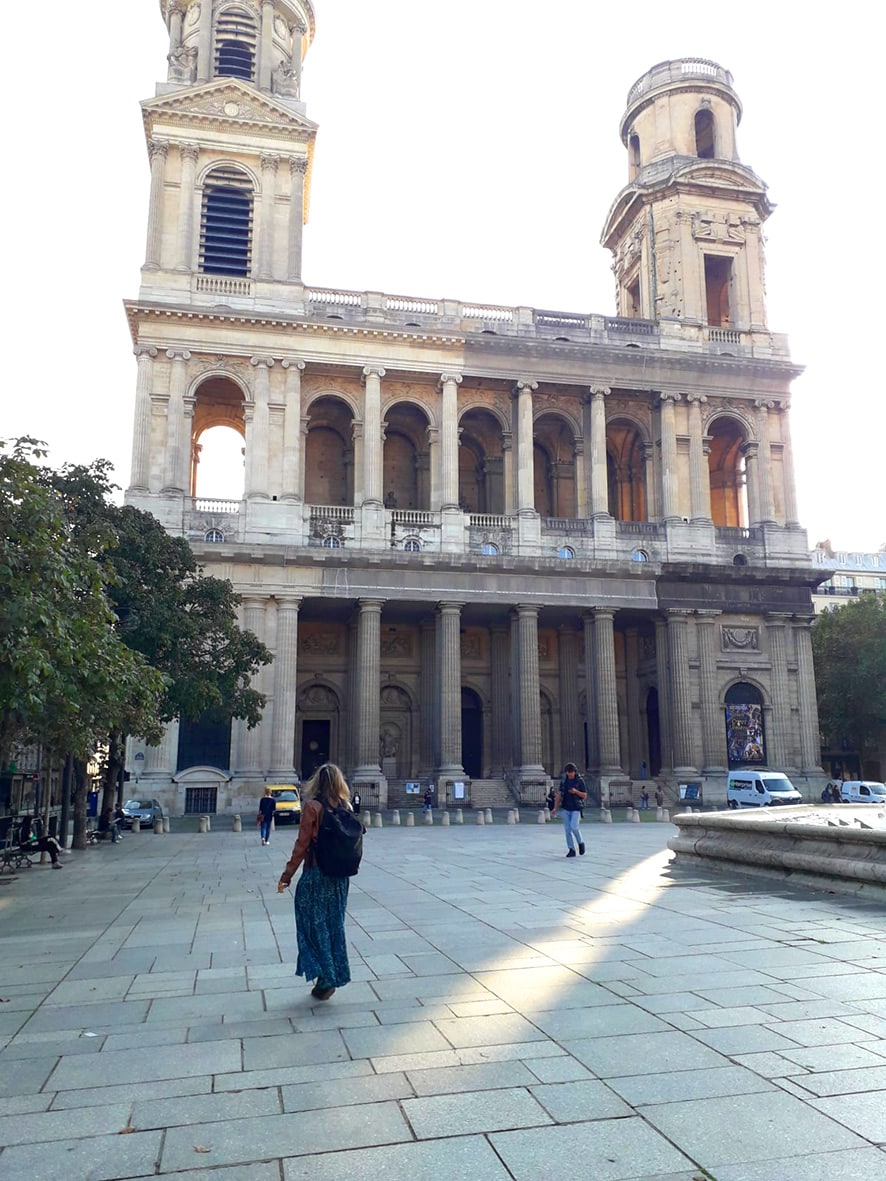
726	469
329	452
406	467
626	471
554	455
218	434
481	463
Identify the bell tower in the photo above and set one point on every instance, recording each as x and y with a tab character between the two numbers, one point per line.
686	230
230	148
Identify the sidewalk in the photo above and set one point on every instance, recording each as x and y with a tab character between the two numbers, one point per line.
513	1015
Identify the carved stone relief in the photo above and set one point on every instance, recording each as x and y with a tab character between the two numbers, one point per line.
396	645
739	639
319	643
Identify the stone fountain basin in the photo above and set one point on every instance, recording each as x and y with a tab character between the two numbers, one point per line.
840	848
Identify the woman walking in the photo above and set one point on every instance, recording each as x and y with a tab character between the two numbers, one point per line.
570	798
320	900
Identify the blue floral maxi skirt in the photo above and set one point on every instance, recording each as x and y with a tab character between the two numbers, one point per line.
320	905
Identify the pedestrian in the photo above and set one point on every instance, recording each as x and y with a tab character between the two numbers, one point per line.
119	821
320	899
355	801
659	798
551	800
28	843
643	774
267	806
570	797
644	800
428	800
107	824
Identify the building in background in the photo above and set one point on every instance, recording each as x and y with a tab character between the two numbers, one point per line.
480	540
847	574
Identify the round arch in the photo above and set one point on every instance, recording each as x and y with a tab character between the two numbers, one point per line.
309	398
228	166
744	706
502	419
216	464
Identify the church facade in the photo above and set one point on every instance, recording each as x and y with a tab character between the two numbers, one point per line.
480	541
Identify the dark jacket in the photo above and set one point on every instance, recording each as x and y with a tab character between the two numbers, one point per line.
568	801
267	806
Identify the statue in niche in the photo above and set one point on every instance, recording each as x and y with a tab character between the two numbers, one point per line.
389	742
182	64
285	81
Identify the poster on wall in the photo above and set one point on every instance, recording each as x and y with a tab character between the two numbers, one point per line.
744	733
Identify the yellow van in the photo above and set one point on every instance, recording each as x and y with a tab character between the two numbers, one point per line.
286	797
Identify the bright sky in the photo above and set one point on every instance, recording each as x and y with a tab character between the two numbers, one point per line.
467	150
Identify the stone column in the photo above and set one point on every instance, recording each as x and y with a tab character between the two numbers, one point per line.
507	458
606	691
161	760
298	167
428	689
298	31
189	155
681	692
449	674
778	742
258	431
767	510
699	473
591	693
670	484
177	447
349	738
270	163
810	735
175	27
158	150
501	753
266	46
204	43
285	689
790	488
581	483
599	473
448	483
571	743
368	688
634	755
141	438
372	436
528	690
523	392
713	727
752	472
663	677
292	432
249	755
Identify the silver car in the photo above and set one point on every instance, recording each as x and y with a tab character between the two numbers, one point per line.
146	811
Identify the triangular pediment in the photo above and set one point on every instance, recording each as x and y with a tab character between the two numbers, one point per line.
229	102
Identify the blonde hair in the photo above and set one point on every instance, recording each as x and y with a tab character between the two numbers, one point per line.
267	791
328	785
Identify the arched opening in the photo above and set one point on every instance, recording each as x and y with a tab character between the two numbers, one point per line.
626	472
653	732
718	289
329	454
217	440
395	733
704	134
554	454
726	467
317	726
406	462
226	223
634	155
745	736
481	464
471	734
235	42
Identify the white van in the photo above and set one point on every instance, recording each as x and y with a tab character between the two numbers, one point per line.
760	789
863	791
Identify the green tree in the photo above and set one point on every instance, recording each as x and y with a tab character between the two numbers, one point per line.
849	648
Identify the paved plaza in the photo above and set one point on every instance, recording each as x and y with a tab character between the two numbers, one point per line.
513	1015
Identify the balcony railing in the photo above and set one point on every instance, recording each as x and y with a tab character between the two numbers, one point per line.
734	534
216	507
638	529
222	285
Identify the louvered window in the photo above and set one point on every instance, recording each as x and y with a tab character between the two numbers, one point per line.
235	42
226	225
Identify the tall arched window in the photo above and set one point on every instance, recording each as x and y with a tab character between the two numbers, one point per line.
704	134
634	154
226	224
235	43
745	735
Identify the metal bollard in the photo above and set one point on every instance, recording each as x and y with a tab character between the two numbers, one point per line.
489	816
395	816
511	819
542	817
410	820
202	824
481	817
236	823
377	821
136	824
459	816
444	820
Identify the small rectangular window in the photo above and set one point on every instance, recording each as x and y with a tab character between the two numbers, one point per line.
718	281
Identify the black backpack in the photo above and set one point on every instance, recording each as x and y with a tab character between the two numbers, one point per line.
338	848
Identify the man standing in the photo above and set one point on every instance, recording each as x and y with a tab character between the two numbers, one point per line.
570	797
267	806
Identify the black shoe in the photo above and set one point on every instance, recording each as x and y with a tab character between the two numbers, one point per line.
581	848
571	853
322	994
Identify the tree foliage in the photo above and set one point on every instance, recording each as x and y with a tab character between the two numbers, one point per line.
849	648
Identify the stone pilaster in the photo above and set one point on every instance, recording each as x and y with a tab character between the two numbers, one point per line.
177	447
258	431
449	668
663	677
249	753
699	474
634	755
175	27
428	689
141	438
292	432
285	689
581	484
810	737
270	164
599	474
528	690
572	746
778	753
266	46
652	497
713	729
158	151
368	688
501	753
681	693
298	167
751	453
349	738
523	391
591	693
161	760
790	487
372	436
670	484
767	510
606	691
204	43
449	383
187	199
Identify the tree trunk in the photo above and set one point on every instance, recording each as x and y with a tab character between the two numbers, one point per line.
81	792
111	776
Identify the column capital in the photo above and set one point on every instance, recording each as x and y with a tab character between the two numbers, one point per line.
158	148
599	391
178	354
764	403
270	161
288	602
669	396
262	362
707	616
778	618
373	371
507	440
371	606
450	378
298	165
447	608
144	350
750	449
524	386
292	363
189	151
299	27
677	614
253	602
602	613
527	608
700	399
784	405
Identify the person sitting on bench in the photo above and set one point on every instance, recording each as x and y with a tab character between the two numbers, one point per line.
29	843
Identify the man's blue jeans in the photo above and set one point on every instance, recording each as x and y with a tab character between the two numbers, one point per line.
571	822
266	828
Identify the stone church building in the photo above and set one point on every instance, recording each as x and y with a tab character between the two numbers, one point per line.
479	540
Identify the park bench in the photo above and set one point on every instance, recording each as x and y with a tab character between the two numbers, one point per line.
13	857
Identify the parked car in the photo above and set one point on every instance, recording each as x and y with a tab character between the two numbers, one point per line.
146	811
863	791
288	801
760	789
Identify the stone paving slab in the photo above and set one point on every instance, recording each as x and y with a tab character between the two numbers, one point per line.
656	1024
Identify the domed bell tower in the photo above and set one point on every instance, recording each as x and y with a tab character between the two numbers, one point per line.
686	231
